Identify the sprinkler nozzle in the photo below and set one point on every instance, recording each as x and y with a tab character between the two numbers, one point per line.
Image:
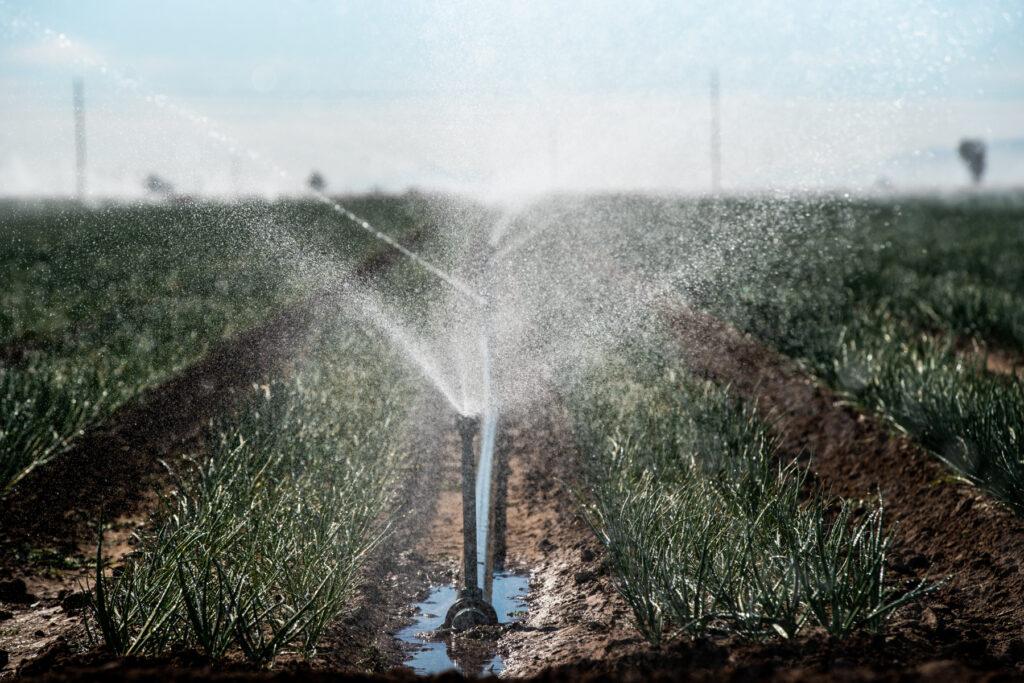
468	426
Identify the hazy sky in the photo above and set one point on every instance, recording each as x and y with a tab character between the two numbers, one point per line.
500	98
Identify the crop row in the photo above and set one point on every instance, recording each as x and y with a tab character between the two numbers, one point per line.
258	548
709	529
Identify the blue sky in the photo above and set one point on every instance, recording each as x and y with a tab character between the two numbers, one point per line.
518	96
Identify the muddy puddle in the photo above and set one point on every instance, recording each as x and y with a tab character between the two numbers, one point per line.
429	654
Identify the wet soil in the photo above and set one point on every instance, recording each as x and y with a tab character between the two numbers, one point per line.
679	671
540	535
574	614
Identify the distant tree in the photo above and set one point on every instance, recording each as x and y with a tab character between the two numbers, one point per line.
316	181
972	151
157	185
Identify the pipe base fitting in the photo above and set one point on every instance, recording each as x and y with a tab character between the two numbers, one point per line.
470	610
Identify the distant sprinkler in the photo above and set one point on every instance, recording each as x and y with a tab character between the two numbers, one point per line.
972	151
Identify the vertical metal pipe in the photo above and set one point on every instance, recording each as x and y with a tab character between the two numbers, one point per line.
468	427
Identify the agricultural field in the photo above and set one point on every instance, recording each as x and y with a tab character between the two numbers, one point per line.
730	438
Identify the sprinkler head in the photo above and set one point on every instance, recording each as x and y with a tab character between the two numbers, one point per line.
468	425
470	610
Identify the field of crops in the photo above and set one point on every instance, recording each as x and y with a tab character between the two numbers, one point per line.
738	437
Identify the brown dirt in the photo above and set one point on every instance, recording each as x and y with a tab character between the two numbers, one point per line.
999	361
574	613
577	626
172	671
945	529
578	629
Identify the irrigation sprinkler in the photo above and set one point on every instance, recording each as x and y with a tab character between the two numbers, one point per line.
470	609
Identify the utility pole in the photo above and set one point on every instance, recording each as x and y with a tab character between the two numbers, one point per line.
78	98
236	188
553	155
716	134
